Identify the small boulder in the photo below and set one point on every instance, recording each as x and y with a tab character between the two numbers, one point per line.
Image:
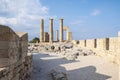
68	45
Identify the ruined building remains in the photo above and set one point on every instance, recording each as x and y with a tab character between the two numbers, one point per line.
15	61
45	37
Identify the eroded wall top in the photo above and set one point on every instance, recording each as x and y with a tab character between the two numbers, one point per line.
13	46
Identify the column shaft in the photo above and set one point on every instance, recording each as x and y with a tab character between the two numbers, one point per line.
42	30
61	30
67	35
51	31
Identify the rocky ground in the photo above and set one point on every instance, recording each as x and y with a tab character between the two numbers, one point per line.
65	61
68	50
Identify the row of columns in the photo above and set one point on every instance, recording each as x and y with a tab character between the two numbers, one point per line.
51	31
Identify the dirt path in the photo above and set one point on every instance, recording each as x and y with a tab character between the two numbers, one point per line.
86	68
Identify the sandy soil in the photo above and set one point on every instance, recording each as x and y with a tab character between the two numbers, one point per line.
85	68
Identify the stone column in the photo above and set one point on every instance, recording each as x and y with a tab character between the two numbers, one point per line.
42	30
57	35
46	37
69	36
61	30
51	31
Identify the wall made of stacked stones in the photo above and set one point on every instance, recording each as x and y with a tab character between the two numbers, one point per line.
104	47
82	43
15	62
90	43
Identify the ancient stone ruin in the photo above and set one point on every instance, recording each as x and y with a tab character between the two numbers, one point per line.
102	47
48	37
15	61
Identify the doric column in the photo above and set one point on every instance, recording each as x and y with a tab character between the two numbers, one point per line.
42	30
51	31
61	30
57	35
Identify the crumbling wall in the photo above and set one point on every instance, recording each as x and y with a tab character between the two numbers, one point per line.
109	47
15	62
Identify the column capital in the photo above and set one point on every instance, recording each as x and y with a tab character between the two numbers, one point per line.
41	19
50	18
61	19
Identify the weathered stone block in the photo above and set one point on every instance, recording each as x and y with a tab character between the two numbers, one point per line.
13	54
82	43
90	43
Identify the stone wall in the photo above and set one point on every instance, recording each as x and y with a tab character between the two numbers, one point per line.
109	47
15	62
90	43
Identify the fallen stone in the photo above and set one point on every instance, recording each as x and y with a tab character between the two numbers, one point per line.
68	45
58	75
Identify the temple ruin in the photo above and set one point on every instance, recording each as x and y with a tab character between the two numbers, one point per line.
59	59
15	61
48	37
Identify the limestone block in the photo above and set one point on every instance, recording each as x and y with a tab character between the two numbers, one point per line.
3	53
10	75
103	44
16	77
4	44
4	62
13	53
82	43
90	43
75	42
4	78
69	36
113	42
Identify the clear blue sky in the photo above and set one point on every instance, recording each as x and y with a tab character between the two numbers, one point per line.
86	18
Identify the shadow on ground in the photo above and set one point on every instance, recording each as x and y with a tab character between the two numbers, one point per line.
44	63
